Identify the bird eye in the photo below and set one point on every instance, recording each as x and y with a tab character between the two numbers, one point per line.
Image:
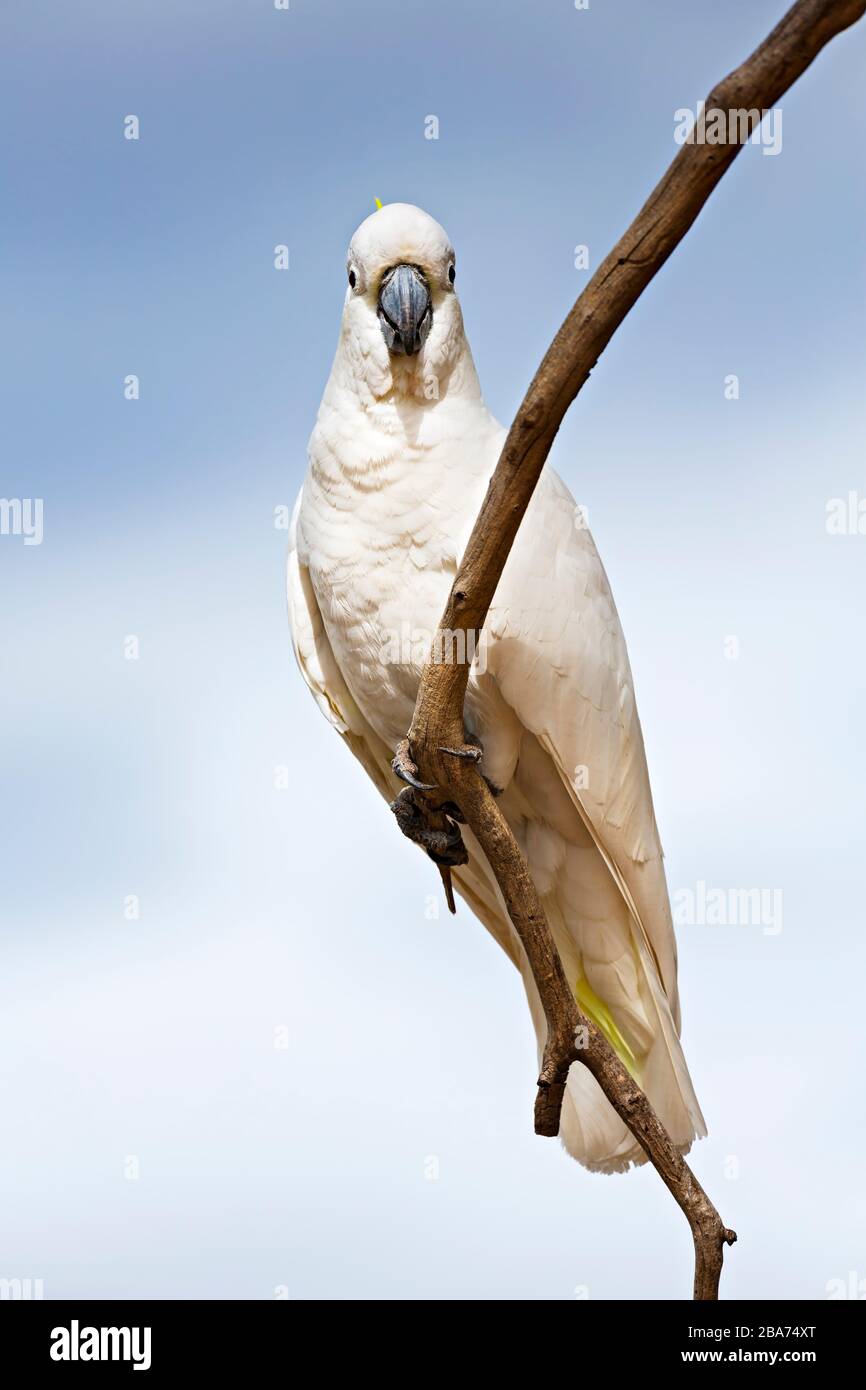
352	279
451	273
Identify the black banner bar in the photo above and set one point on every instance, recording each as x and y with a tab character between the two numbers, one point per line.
217	1339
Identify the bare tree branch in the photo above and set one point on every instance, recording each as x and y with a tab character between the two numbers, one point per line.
437	725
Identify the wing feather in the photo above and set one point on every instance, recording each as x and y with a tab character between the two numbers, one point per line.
322	674
559	658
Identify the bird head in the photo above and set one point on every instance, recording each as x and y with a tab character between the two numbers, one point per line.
401	312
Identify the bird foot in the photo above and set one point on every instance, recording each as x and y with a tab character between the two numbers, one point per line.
473	751
404	768
431	827
430	823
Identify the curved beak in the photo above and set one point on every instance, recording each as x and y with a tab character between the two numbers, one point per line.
405	311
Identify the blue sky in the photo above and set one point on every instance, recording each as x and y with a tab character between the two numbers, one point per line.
281	1159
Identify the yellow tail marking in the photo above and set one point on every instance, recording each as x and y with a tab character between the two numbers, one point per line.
597	1010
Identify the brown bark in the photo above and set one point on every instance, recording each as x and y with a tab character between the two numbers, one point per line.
437	724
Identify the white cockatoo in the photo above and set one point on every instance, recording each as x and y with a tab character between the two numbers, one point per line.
399	461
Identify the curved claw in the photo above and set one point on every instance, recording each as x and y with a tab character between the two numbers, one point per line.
471	753
404	768
411	780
